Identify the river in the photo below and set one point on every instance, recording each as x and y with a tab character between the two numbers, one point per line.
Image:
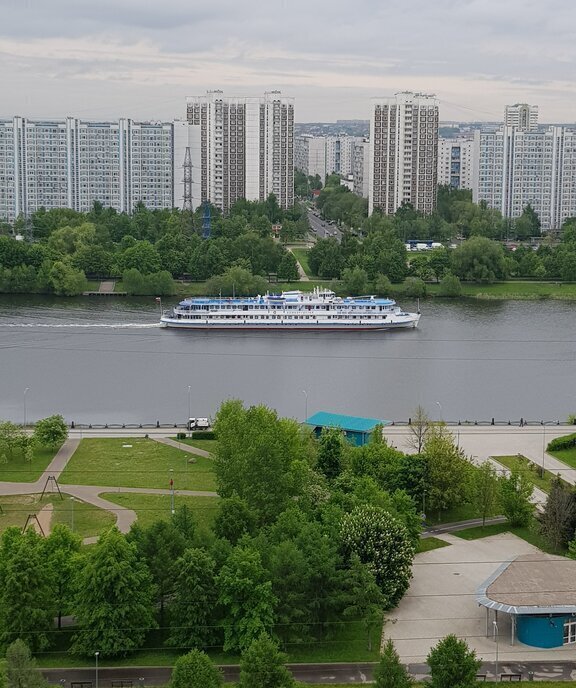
105	360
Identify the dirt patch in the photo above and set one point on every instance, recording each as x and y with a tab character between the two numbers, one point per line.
44	523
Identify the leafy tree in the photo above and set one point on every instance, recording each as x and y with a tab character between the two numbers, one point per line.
142	256
515	493
390	672
366	601
355	281
115	599
237	281
383	543
485	490
66	281
439	262
183	520
452	664
419	429
289	571
12	438
61	550
246	597
450	286
288	268
262	665
558	520
51	431
195	670
26	605
414	287
234	519
159	546
21	671
254	458
193	601
572	547
448	476
382	285
479	260
330	452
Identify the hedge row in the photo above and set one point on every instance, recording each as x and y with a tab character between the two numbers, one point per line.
560	443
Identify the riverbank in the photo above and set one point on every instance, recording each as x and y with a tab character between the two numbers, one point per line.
513	290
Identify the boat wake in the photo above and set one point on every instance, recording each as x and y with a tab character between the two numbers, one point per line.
109	326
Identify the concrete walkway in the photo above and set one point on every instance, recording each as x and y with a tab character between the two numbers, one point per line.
91	493
107	287
303	276
182	446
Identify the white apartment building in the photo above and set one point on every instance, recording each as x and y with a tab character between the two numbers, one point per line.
71	163
323	155
310	155
340	154
456	162
403	165
360	170
516	167
246	147
522	116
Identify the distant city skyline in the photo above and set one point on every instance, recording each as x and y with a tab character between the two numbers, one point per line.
124	58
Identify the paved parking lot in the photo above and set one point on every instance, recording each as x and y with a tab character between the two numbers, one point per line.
441	600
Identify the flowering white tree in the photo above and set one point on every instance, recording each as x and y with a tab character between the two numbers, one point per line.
384	544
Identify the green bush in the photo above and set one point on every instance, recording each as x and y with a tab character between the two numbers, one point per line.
180	435
203	435
560	443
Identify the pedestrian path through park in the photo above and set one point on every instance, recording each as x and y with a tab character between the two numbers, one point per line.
90	494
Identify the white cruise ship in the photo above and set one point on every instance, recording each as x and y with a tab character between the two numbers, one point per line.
318	310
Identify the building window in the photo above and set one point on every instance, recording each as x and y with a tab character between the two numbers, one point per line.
570	632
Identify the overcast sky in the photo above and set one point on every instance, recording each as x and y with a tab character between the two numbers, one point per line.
141	58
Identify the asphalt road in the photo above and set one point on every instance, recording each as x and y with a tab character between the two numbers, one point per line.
321	228
322	674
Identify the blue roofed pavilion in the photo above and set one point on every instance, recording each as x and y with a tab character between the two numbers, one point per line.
357	430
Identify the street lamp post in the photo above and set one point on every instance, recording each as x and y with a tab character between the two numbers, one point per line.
496	639
305	393
172	491
441	414
25	419
96	655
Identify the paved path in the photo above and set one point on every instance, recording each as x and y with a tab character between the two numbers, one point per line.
107	287
184	447
321	674
91	493
303	276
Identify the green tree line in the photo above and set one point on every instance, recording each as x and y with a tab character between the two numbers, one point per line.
147	249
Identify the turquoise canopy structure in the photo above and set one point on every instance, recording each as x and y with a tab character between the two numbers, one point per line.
356	429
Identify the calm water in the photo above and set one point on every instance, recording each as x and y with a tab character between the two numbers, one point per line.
107	361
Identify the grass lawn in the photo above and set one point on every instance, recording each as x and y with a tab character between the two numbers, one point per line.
530	534
517	290
567	456
430	543
152	508
141	463
464	512
88	519
521	463
206	445
301	255
18	470
347	643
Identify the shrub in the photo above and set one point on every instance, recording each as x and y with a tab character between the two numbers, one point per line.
414	287
560	443
450	286
203	435
180	435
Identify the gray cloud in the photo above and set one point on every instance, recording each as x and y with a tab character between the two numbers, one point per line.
331	55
